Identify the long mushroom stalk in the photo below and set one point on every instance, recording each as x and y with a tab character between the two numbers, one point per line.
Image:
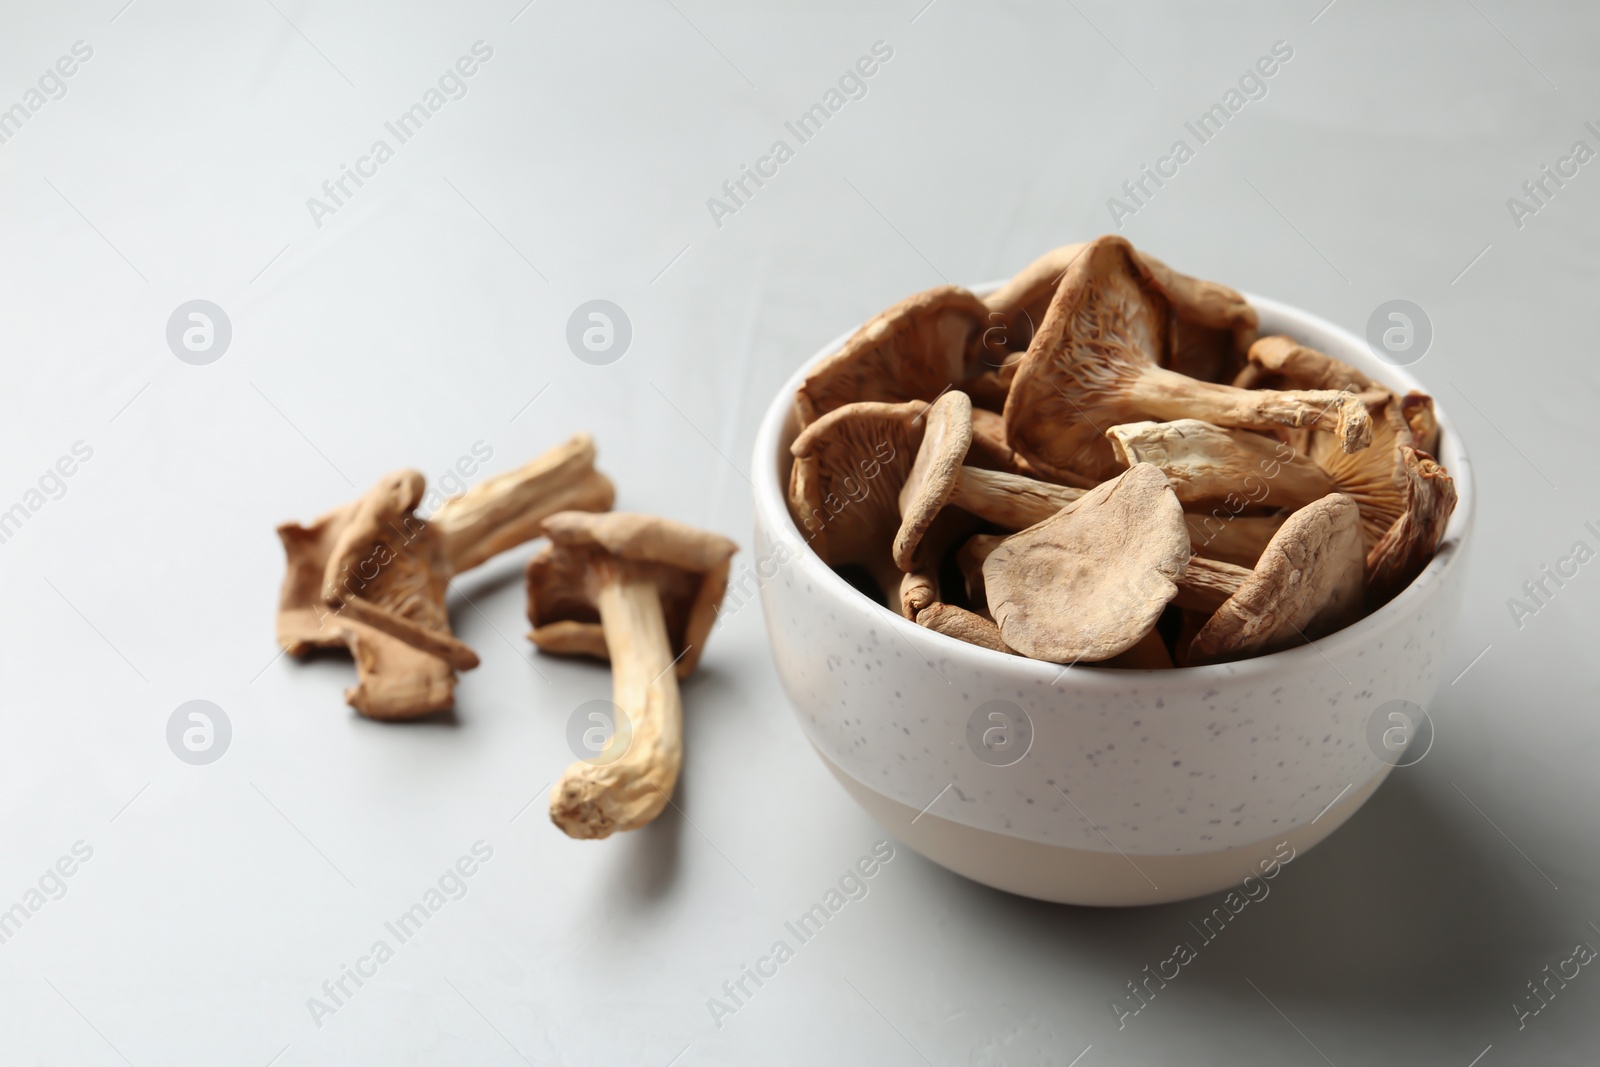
655	586
507	510
630	781
1210	463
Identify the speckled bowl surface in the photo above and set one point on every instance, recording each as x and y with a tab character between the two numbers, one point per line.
1109	786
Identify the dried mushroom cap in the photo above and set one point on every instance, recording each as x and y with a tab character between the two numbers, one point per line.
688	567
1206	462
1017	308
1308	583
396	680
946	437
1092	580
1093	364
1410	542
1376	476
963	625
913	351
843	488
1417	409
1278	362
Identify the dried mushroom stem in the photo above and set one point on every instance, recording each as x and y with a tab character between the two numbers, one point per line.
1165	395
1206	462
624	792
507	510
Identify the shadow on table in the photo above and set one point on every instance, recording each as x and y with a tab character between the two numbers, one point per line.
1409	903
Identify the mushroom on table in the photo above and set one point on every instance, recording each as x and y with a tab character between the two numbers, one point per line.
371	575
650	587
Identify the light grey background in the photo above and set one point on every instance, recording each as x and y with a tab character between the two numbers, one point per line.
430	312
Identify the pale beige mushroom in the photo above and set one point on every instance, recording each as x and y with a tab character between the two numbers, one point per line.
654	585
1091	581
1093	364
1308	583
371	575
1210	463
913	351
843	488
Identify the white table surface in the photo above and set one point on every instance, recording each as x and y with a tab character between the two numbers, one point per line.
430	309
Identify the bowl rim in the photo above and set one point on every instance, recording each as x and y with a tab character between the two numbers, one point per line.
772	509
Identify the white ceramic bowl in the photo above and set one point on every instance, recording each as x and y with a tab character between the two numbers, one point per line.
1136	787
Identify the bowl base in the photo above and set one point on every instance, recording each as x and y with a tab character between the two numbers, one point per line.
1062	875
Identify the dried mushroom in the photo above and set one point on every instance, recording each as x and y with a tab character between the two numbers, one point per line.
1094	364
1211	463
654	586
963	625
371	575
1308	583
1091	581
913	351
1278	362
1145	456
848	469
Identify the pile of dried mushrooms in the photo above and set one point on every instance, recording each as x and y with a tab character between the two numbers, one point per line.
1102	462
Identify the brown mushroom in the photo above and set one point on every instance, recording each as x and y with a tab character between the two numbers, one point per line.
1093	364
1417	409
1091	581
1411	540
371	576
938	481
848	469
914	351
963	625
654	586
1307	584
1206	462
1278	362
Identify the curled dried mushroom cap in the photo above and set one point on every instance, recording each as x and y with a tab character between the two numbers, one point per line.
1279	362
371	576
1308	583
913	351
654	585
844	485
1093	364
1092	580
